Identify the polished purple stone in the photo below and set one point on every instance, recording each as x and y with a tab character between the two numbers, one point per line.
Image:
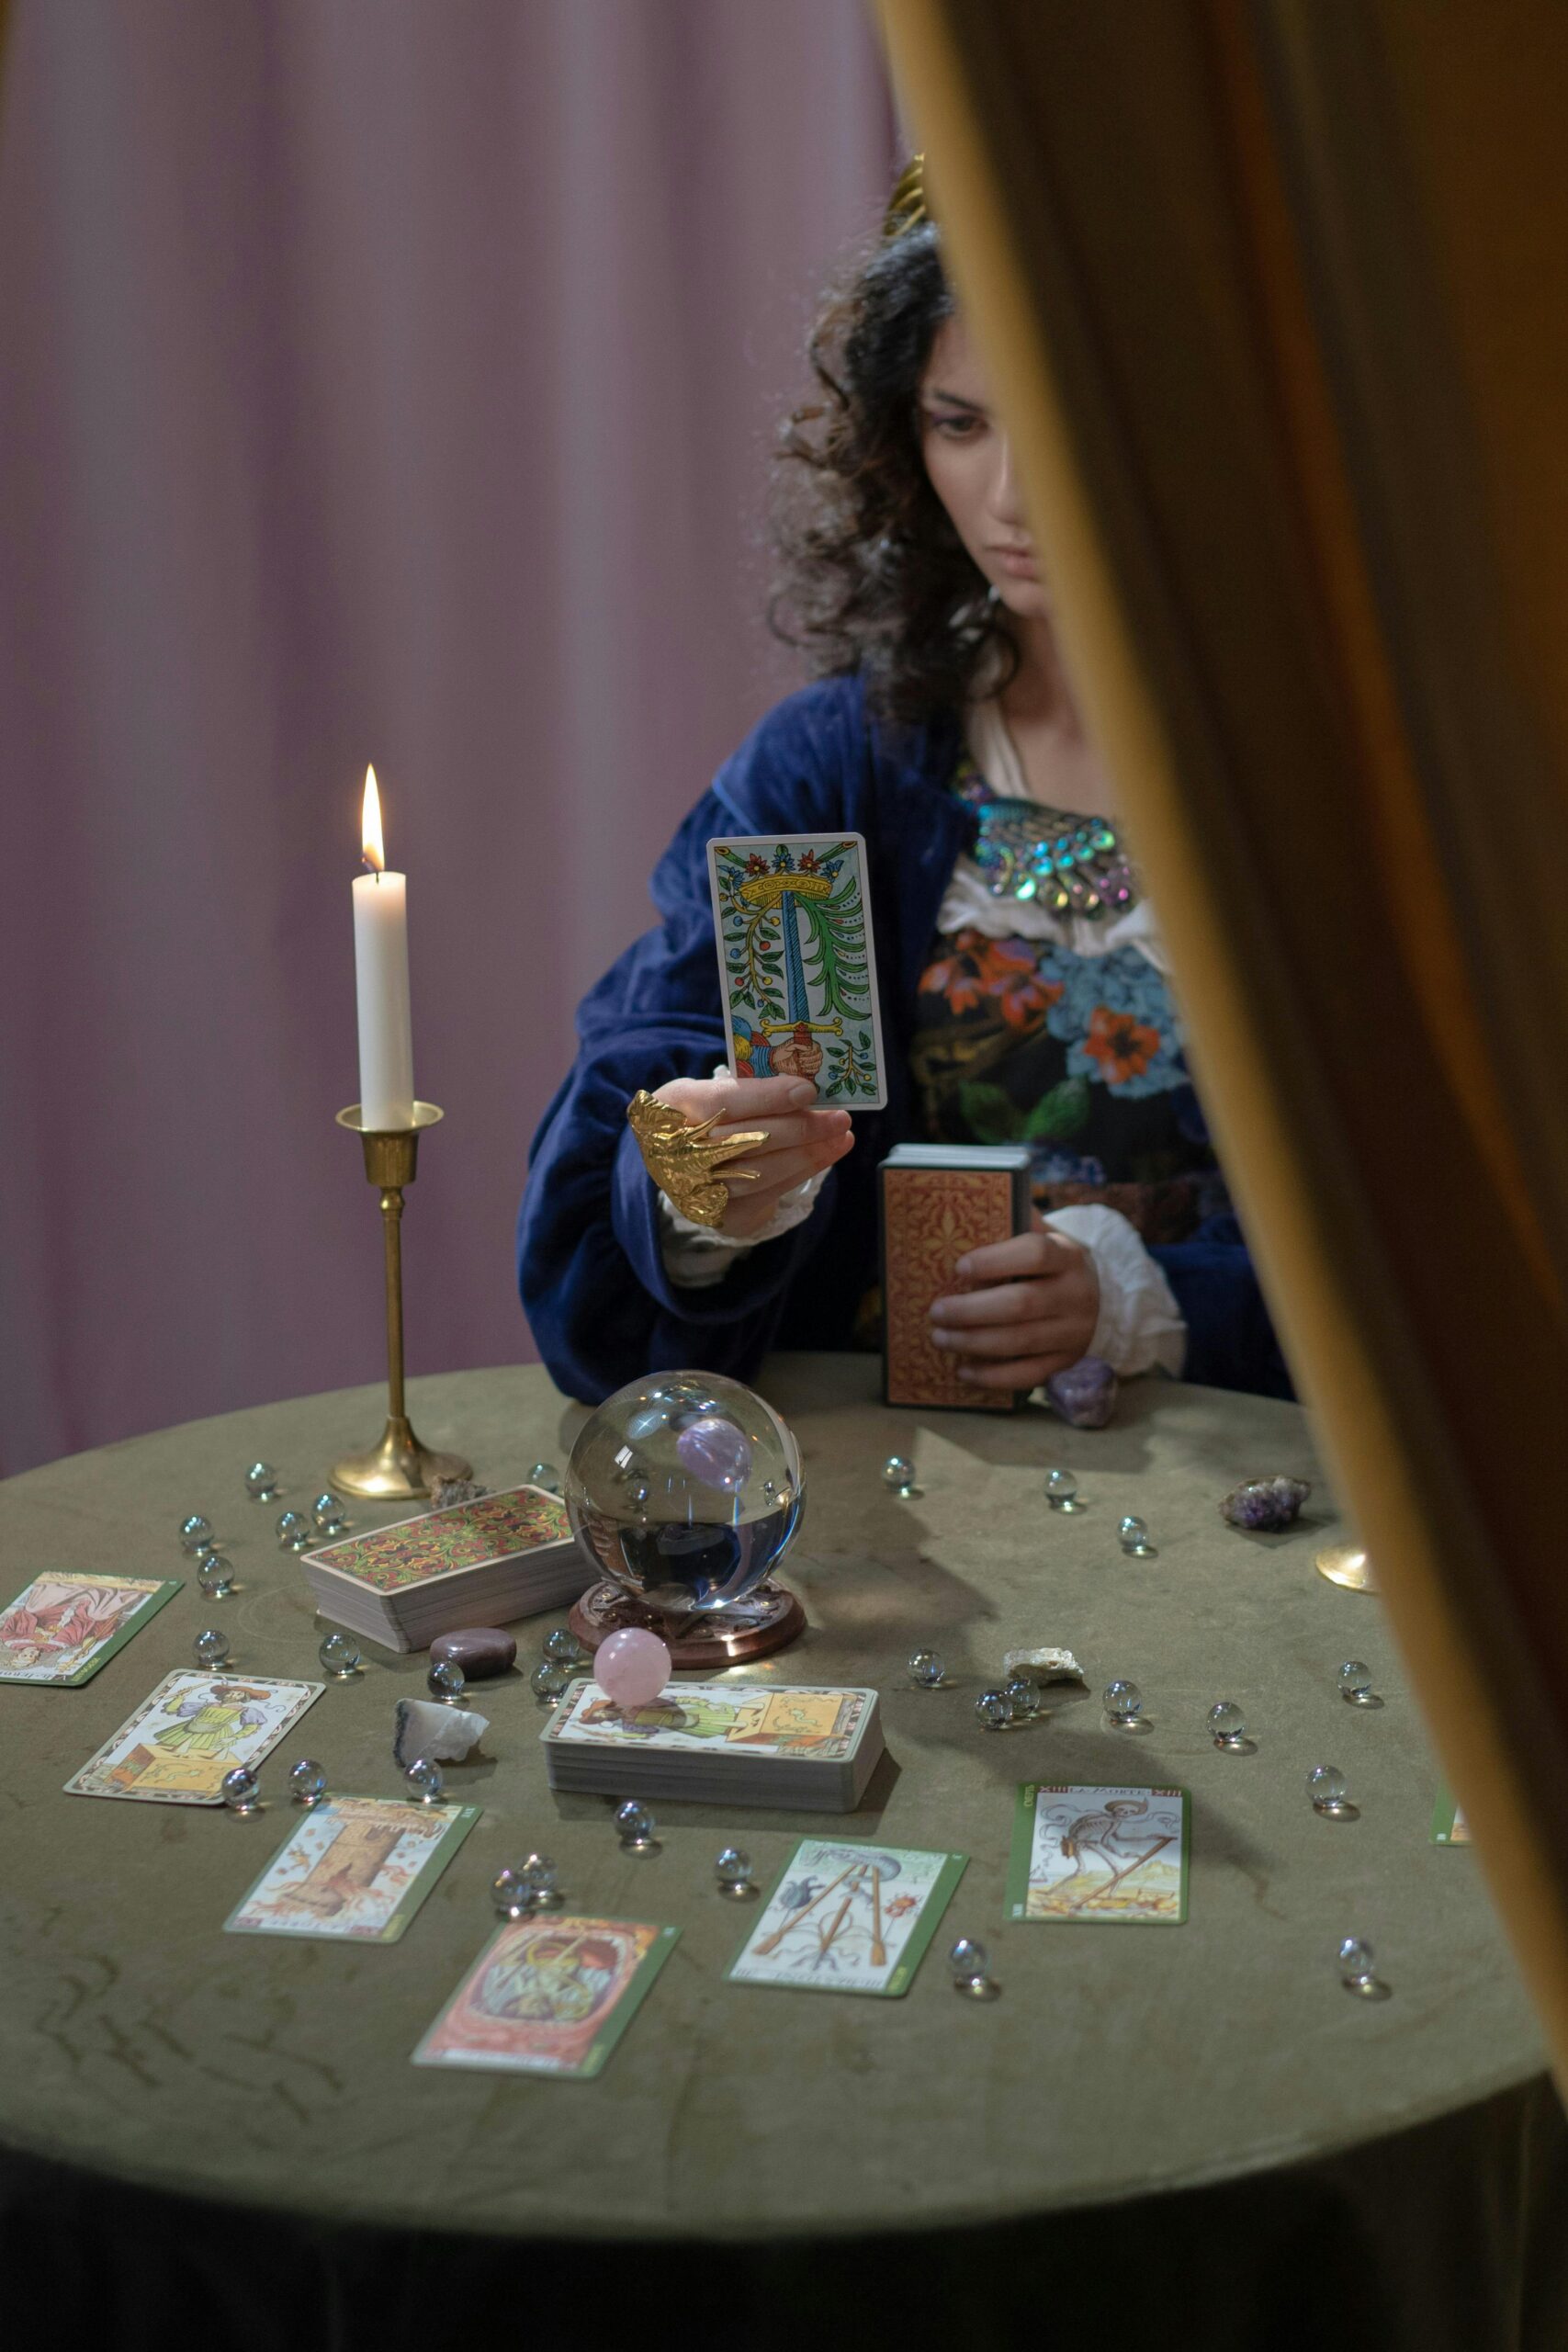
1085	1395
714	1450
1265	1506
480	1650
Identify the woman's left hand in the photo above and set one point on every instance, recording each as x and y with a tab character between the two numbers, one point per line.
1029	1313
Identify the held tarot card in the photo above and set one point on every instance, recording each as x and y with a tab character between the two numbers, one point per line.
65	1626
798	968
1098	1854
548	1995
848	1917
353	1867
195	1727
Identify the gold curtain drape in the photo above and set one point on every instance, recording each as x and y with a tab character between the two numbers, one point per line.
1271	293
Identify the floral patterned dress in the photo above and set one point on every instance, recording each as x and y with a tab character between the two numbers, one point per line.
1045	1017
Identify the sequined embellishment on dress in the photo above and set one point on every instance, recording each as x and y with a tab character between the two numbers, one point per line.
1072	864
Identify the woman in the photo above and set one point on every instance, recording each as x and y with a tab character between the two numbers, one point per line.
1022	979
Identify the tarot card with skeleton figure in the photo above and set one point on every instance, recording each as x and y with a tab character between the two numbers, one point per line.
798	968
848	1917
356	1868
1098	1854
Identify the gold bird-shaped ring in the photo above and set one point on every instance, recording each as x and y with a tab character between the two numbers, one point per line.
682	1155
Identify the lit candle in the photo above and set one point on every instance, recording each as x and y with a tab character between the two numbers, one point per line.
381	977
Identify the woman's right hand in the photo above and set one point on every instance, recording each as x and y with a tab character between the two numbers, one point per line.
800	1140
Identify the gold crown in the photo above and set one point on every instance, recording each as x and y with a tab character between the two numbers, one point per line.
907	206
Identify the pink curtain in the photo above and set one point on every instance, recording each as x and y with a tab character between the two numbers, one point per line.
383	379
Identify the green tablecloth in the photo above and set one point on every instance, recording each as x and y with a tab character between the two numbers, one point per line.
139	2044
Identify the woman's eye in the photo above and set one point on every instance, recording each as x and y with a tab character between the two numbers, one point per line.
951	427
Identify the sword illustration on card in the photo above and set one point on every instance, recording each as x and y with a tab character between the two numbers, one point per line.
797	965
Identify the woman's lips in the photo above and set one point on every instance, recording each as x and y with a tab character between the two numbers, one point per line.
1017	562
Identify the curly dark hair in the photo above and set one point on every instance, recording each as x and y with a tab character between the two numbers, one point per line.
871	575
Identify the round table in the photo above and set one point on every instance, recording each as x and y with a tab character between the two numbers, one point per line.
1119	2074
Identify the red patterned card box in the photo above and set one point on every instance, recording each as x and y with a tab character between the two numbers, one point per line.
930	1217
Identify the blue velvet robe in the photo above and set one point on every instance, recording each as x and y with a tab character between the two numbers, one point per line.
591	1277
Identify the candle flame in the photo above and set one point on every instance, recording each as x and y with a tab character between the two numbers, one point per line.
370	825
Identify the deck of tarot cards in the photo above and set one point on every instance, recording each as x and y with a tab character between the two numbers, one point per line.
713	1742
476	1564
939	1201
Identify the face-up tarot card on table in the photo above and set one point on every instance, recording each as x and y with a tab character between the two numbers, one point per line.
1098	1854
548	1995
192	1730
64	1625
798	965
848	1917
356	1868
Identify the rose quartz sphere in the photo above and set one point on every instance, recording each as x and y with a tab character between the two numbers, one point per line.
631	1667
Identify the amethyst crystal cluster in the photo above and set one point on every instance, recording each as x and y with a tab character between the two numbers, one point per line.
1085	1395
1265	1506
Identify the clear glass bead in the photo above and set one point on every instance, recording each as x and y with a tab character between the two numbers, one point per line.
928	1670
307	1783
637	1827
545	1474
541	1878
261	1482
1123	1701
733	1871
240	1790
1356	1964
509	1895
548	1680
1023	1696
1356	1683
294	1531
212	1648
446	1680
1328	1788
899	1474
215	1574
1227	1724
994	1708
328	1513
970	1964
562	1647
423	1779
195	1534
1062	1490
339	1655
1134	1536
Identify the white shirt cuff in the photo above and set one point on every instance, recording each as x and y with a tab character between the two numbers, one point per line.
1140	1327
695	1256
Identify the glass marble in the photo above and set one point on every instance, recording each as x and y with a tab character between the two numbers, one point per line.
548	1680
1356	1684
1023	1696
542	1879
424	1781
693	1527
212	1648
307	1783
1356	1964
1328	1788
899	1474
294	1531
544	1474
1062	1490
510	1894
971	1965
328	1514
563	1647
1133	1537
240	1790
1227	1724
1123	1701
928	1670
733	1871
261	1482
447	1681
994	1708
195	1534
215	1574
339	1655
637	1827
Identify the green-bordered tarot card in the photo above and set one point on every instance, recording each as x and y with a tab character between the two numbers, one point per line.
548	1995
189	1733
1449	1826
64	1625
354	1867
797	965
1098	1854
848	1917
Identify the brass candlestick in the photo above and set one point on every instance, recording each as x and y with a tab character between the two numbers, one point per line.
399	1468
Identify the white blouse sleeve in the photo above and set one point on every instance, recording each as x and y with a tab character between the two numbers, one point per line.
1140	1327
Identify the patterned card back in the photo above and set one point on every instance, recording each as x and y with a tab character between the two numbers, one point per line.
469	1535
930	1217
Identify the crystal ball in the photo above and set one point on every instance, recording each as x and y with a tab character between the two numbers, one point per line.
1123	1701
195	1533
994	1708
563	1647
261	1482
215	1574
212	1648
685	1489
636	1824
447	1681
928	1670
548	1680
1327	1787
339	1655
240	1790
307	1783
1355	1682
424	1780
1227	1723
899	1474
